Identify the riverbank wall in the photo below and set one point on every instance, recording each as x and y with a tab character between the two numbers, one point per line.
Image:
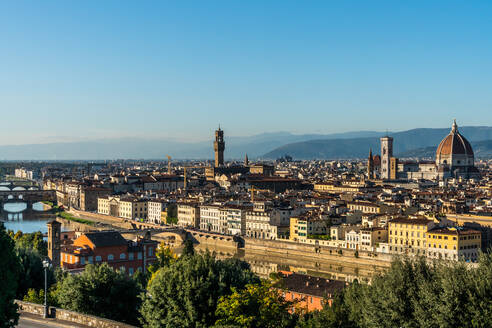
315	253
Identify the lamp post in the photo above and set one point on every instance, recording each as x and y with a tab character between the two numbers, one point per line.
46	265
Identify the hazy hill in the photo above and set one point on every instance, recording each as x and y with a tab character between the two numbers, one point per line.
236	147
481	149
359	147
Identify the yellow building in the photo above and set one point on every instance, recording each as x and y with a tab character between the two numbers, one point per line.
453	243
408	236
297	229
123	207
301	228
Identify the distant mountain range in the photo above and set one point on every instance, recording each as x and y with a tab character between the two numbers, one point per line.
411	143
139	148
481	149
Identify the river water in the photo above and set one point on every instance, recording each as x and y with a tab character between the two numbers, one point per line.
15	217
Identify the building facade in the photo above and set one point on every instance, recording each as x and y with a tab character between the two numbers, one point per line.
188	215
111	248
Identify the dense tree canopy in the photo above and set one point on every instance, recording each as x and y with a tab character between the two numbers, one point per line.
31	271
185	293
99	290
9	267
32	241
415	294
255	306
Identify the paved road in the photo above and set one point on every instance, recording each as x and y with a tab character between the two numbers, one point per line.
33	321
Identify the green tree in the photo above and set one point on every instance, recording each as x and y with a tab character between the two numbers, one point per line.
99	290
188	249
31	271
33	241
37	296
172	214
8	280
335	316
255	306
165	256
185	293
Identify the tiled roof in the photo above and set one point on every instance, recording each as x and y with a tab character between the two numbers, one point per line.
310	285
106	238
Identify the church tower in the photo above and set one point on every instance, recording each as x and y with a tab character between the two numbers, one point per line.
54	241
386	154
370	166
219	146
246	160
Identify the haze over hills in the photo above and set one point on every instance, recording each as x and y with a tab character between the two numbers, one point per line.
139	148
411	143
481	149
404	143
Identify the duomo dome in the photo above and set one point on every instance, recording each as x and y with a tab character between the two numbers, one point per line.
454	150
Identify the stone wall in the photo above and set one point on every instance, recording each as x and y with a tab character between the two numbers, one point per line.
289	248
30	307
212	239
70	316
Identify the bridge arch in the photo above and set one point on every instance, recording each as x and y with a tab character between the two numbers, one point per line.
179	237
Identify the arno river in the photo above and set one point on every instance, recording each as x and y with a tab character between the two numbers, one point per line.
15	216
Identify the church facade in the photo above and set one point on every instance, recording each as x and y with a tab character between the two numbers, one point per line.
454	159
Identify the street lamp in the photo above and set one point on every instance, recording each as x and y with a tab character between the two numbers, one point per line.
46	265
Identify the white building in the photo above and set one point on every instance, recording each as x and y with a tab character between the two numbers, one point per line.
212	219
155	209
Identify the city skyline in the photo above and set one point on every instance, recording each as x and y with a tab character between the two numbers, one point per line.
95	71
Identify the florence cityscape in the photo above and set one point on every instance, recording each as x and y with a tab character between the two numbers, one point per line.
246	164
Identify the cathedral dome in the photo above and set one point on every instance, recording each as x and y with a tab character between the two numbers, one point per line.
454	144
454	149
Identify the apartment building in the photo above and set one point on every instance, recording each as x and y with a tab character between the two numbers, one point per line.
155	209
454	243
188	215
213	219
124	207
407	235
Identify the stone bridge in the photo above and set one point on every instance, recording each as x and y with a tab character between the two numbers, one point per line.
177	235
28	196
19	185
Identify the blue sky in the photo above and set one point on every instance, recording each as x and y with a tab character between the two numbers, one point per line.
77	70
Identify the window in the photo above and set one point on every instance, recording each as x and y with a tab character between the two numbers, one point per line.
89	259
82	260
130	271
150	251
110	257
139	256
98	258
122	256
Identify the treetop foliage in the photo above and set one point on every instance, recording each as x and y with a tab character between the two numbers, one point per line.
185	293
9	268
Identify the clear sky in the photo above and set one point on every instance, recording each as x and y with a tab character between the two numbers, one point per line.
76	70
